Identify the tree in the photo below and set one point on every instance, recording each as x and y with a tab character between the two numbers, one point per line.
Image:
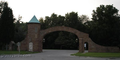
6	25
20	30
2	5
83	19
71	20
64	40
105	26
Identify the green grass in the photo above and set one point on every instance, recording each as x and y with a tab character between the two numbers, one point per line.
16	52
97	54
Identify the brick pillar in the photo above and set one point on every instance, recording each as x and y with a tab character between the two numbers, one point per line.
40	43
33	35
81	46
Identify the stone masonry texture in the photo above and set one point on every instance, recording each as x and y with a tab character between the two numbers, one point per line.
36	35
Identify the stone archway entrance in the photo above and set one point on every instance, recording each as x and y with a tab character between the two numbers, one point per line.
35	36
79	34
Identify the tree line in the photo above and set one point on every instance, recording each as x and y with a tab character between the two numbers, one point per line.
11	29
103	28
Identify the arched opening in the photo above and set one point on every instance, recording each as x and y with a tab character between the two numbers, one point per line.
86	47
60	40
80	35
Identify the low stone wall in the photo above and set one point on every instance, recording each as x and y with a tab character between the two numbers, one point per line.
98	48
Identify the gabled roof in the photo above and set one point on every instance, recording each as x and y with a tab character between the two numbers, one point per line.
34	20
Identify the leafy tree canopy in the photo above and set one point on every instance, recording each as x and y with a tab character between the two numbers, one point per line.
105	26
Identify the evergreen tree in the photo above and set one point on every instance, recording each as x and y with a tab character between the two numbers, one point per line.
6	25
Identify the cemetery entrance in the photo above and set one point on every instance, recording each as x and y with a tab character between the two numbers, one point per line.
34	38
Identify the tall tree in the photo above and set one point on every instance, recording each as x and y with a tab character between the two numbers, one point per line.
6	24
20	30
105	27
71	20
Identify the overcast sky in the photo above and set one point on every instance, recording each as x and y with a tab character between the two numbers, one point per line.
41	8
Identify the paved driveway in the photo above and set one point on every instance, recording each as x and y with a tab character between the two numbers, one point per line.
51	55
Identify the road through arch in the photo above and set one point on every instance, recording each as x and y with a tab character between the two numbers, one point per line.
79	34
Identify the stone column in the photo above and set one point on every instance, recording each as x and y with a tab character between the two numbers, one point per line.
40	43
81	46
33	34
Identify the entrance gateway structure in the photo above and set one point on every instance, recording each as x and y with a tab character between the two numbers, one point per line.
34	38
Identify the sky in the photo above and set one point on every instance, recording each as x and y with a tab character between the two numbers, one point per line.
41	8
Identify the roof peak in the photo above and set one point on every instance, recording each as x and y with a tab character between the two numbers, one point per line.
34	20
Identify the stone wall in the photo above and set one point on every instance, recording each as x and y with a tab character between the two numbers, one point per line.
35	35
93	47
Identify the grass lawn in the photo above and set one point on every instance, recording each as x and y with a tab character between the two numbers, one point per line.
16	52
97	54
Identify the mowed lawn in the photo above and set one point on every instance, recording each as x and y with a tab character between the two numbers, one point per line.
16	52
97	54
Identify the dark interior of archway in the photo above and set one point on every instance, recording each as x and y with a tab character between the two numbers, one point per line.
60	40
